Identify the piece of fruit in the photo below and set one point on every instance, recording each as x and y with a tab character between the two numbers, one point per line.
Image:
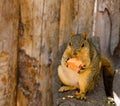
74	64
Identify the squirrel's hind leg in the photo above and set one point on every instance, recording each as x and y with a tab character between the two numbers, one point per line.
66	88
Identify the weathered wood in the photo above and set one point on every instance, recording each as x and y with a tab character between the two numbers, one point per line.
49	48
39	29
107	25
75	18
28	76
8	51
66	17
83	21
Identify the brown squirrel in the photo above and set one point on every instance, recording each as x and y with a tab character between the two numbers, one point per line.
87	77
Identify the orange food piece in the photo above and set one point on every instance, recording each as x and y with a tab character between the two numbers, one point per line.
74	64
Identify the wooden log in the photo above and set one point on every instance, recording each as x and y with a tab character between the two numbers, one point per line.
8	51
39	30
75	17
107	25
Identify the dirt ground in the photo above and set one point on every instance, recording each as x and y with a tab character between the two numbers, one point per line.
95	98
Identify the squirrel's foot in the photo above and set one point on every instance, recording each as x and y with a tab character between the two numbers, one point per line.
110	101
80	95
66	88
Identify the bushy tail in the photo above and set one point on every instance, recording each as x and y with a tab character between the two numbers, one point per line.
108	75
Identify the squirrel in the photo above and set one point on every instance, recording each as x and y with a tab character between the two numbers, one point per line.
87	77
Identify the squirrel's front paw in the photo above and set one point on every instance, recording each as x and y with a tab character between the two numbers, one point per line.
80	95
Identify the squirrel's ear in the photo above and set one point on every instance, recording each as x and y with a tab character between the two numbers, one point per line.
85	35
72	34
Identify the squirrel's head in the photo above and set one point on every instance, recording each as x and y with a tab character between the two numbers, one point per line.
78	42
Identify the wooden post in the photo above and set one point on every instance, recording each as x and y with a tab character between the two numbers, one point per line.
39	30
8	51
107	25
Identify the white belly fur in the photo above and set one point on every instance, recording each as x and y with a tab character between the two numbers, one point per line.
67	76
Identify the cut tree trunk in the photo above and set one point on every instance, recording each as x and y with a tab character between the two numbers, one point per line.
8	51
107	25
38	40
75	18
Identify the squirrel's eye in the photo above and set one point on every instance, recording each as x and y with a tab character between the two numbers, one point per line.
82	45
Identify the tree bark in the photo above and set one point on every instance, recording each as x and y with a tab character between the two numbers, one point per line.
75	18
107	25
39	30
8	51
